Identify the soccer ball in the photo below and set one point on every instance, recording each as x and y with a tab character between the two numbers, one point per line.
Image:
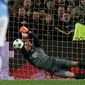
18	44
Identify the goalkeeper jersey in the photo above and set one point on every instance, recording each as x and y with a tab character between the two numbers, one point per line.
3	8
38	58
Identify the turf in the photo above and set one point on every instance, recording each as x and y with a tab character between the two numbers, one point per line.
42	82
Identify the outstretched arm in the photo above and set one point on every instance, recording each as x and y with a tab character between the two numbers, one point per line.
35	39
25	33
25	53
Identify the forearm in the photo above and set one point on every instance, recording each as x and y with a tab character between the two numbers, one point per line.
23	35
25	53
31	35
35	39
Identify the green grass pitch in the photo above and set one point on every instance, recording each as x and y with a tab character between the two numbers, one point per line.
42	82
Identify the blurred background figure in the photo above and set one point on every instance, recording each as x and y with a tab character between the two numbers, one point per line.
3	28
70	8
3	20
79	12
11	7
48	27
60	12
65	27
27	4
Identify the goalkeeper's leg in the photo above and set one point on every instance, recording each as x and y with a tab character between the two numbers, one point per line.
73	75
80	64
3	29
67	74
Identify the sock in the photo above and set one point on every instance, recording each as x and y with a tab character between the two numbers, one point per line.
79	76
81	64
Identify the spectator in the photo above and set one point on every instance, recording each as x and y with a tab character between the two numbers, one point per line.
36	15
70	8
42	14
28	7
27	4
21	11
67	3
35	22
60	1
74	2
65	27
11	7
48	29
17	3
61	10
38	5
16	22
22	17
63	2
50	7
58	16
79	12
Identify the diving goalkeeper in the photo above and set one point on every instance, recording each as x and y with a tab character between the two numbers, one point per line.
37	57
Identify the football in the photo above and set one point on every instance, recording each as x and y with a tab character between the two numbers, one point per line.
18	44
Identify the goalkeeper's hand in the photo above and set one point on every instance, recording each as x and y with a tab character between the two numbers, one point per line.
23	32
24	29
24	35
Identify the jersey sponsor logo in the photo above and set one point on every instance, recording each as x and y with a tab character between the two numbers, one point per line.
35	54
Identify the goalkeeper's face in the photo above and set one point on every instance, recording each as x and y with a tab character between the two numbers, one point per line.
28	45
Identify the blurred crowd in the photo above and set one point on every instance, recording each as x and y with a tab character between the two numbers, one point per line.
49	19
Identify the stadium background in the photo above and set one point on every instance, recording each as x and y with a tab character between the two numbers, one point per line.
44	17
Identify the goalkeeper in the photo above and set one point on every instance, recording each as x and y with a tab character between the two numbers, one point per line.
37	57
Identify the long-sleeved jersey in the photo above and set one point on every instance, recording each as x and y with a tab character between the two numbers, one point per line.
38	58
